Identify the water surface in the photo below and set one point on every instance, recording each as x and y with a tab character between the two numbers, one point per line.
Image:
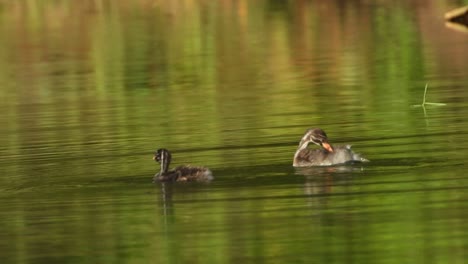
232	86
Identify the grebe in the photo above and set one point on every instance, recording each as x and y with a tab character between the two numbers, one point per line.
181	173
327	155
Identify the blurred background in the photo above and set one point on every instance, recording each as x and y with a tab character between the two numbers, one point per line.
90	89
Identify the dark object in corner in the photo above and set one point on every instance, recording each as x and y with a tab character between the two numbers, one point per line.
459	15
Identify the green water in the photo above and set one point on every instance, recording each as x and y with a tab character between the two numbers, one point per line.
231	86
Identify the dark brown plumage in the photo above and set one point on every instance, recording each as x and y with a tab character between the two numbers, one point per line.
327	155
180	173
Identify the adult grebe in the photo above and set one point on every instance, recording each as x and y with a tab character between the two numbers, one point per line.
327	155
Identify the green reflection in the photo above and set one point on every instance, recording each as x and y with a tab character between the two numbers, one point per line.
230	85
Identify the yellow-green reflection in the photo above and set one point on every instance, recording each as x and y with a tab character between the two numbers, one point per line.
91	88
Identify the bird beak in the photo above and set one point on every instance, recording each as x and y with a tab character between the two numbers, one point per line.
154	157
327	146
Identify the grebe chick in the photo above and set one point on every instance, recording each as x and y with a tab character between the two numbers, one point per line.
181	173
327	155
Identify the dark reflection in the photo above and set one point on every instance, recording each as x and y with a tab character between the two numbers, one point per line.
318	171
182	190
320	180
166	201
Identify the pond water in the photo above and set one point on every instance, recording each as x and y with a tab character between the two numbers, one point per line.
231	85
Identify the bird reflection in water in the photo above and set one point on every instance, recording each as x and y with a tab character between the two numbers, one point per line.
322	179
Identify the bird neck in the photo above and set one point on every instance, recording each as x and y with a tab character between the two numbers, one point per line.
302	145
165	161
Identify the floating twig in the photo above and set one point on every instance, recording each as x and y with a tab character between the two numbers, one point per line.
424	103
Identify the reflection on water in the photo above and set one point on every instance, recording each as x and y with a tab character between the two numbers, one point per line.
320	180
231	86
